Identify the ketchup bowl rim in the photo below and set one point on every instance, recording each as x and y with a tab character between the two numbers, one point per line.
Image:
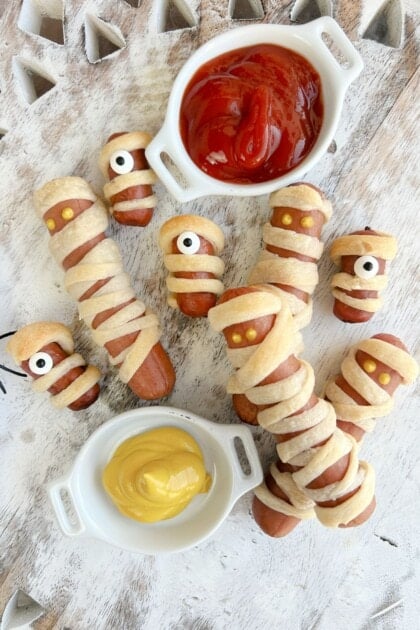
304	39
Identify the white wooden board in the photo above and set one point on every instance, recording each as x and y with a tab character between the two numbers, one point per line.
315	578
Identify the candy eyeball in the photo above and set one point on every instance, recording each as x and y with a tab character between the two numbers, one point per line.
366	267
122	162
188	243
40	363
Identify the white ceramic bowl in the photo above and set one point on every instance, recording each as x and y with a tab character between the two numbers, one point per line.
306	40
97	515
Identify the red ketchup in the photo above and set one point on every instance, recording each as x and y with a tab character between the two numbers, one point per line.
252	114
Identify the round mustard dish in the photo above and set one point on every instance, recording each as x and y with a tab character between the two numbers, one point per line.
84	508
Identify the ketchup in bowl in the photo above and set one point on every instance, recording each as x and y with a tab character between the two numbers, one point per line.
252	114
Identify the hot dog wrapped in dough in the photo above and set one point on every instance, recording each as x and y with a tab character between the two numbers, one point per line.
129	190
45	351
95	277
191	245
370	374
292	246
362	257
318	470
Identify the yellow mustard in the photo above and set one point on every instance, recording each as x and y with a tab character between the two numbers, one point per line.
154	475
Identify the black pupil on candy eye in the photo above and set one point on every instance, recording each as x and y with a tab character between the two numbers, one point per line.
120	161
40	363
187	242
368	266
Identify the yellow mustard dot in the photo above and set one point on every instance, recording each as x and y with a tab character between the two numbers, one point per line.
251	334
286	219
50	224
384	378
307	222
67	213
369	366
236	338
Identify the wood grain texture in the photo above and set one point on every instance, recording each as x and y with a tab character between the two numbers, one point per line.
315	578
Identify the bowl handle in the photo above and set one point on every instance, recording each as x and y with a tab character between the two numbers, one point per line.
54	490
161	144
242	482
354	63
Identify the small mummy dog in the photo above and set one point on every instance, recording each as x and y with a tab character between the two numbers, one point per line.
129	189
191	247
362	257
45	351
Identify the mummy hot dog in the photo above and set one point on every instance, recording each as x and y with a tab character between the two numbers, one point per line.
318	468
370	374
129	191
292	246
362	256
45	351
192	245
95	277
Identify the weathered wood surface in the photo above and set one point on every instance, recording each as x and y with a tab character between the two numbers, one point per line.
315	578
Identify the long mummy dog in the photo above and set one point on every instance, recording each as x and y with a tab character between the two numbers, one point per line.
370	374
318	469
292	246
95	277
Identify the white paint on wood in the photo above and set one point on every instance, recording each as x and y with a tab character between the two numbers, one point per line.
315	578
